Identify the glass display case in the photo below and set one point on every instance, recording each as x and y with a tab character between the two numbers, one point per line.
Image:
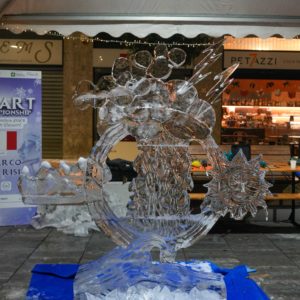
261	111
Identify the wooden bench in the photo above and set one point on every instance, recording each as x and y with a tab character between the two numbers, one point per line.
275	196
271	153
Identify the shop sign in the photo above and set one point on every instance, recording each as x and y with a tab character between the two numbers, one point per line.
30	52
20	139
262	59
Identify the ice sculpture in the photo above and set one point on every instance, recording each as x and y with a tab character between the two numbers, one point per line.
59	196
164	117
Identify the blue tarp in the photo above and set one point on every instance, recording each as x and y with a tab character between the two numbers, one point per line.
55	281
52	281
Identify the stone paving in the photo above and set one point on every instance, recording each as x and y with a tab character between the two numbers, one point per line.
275	256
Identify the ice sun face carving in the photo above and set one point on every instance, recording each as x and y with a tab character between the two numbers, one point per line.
164	117
239	188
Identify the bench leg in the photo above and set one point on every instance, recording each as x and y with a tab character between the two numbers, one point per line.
292	216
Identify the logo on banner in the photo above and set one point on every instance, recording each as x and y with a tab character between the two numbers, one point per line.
6	186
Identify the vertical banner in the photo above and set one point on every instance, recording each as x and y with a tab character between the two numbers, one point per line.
20	139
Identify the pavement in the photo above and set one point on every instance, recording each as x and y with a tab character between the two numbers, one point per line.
273	249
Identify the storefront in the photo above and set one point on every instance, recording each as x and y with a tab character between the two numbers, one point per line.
262	105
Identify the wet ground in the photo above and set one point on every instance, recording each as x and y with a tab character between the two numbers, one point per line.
273	250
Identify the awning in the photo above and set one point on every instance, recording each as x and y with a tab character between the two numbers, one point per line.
239	18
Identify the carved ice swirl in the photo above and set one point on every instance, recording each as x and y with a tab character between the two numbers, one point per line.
164	117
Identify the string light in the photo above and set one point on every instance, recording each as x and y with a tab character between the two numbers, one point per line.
141	42
111	41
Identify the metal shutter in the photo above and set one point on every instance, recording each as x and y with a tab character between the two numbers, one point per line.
52	114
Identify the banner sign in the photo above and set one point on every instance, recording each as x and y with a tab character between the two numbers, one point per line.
30	52
20	139
288	60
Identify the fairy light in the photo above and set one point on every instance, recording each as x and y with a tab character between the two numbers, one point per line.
150	44
126	43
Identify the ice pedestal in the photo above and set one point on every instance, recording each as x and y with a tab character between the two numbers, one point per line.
56	282
131	274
